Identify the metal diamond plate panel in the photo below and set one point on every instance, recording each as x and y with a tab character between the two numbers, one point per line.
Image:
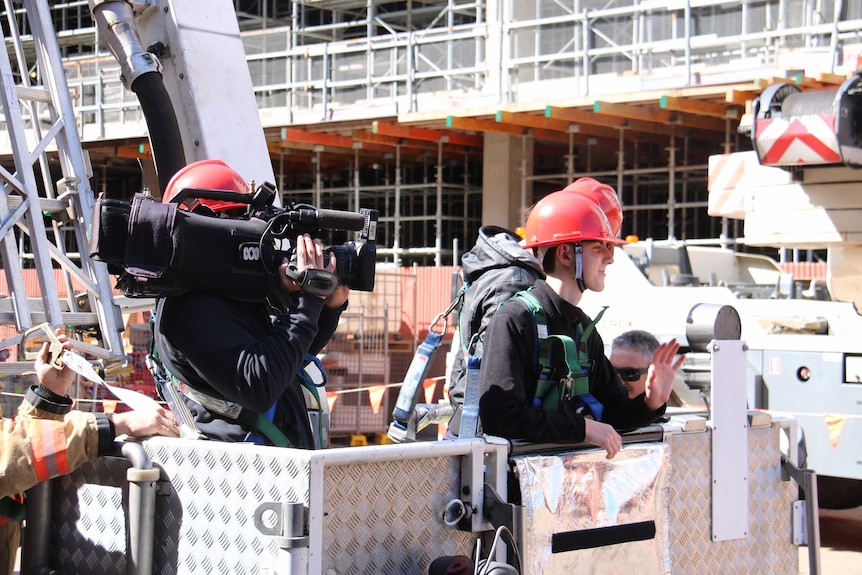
386	517
381	512
204	517
767	548
88	521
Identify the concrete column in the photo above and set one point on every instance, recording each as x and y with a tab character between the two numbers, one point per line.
505	191
496	81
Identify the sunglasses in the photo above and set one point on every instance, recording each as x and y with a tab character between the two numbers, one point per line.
631	373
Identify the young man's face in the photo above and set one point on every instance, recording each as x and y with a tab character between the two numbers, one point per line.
632	367
597	256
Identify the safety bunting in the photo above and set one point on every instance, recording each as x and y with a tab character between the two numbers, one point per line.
377	392
798	141
835	424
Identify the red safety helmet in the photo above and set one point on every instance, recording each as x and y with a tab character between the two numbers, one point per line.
564	217
604	196
207	175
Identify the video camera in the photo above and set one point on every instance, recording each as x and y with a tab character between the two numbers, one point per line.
157	249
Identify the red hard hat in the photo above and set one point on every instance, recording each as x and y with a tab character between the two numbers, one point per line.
563	217
207	175
604	196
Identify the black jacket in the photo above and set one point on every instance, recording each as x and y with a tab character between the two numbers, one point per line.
248	353
508	376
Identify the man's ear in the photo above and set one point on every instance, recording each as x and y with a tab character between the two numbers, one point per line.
565	254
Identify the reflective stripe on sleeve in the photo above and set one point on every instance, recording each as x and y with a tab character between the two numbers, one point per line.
48	443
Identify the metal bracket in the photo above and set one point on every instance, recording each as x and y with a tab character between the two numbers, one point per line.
807	480
497	512
163	487
473	488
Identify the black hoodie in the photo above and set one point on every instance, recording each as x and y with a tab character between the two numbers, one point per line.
494	270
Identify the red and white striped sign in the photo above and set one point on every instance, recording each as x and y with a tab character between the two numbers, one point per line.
798	141
732	180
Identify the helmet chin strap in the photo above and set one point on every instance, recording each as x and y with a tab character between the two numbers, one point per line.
579	267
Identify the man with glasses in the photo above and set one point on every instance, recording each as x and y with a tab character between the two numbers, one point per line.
632	354
529	387
637	355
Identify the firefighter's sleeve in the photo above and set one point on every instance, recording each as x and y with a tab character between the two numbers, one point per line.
47	440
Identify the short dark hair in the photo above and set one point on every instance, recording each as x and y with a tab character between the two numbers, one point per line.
638	340
549	262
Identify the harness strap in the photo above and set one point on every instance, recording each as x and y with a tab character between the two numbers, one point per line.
576	384
233	410
587	404
320	423
470	415
545	340
415	375
582	344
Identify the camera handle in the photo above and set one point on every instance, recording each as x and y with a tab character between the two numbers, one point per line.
314	282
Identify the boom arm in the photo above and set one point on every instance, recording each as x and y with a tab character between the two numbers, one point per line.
205	75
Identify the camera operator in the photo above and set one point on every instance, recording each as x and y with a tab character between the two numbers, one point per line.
223	350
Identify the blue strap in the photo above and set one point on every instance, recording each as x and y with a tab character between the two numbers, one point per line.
470	414
587	405
309	358
415	376
319	427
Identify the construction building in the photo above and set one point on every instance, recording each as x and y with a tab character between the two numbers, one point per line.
446	114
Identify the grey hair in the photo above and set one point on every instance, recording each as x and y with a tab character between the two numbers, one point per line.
637	340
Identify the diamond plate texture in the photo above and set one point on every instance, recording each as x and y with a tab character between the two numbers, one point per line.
767	548
387	517
204	523
88	527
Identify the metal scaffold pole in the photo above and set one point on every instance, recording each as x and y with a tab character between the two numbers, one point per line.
40	121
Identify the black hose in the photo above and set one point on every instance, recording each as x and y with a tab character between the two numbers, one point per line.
166	140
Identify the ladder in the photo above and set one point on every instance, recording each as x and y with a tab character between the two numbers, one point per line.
40	123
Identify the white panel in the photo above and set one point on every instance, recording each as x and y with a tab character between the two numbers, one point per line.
729	441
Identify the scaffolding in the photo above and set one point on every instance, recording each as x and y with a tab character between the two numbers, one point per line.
464	69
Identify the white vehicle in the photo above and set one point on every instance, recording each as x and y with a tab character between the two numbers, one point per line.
796	190
688	495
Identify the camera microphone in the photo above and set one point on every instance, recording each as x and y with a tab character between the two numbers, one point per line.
338	220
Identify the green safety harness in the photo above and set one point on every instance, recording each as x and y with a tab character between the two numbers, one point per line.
575	386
